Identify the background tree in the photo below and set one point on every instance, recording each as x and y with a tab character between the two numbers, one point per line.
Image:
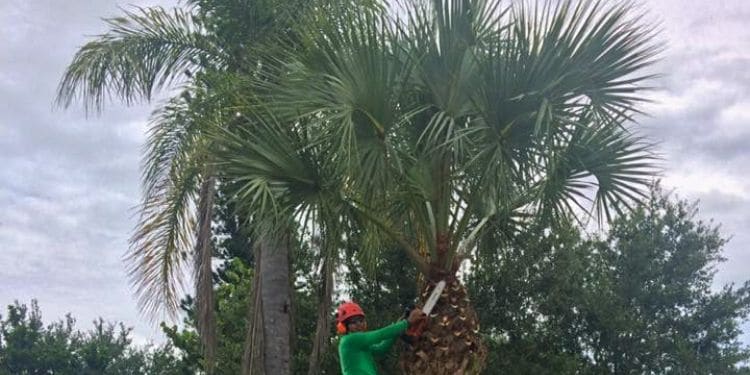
144	51
200	49
232	281
637	300
28	347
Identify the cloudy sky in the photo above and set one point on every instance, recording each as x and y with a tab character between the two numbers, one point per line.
68	183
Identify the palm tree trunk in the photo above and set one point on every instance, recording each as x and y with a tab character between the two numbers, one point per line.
269	335
206	319
276	294
323	326
450	344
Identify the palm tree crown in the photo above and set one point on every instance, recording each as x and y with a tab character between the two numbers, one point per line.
428	122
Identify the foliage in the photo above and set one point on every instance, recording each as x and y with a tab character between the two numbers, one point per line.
384	290
638	300
29	347
199	48
232	283
554	301
421	127
420	132
232	294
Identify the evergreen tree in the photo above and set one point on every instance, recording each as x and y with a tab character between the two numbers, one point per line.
638	300
28	347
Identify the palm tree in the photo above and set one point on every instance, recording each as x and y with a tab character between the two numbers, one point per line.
199	50
422	123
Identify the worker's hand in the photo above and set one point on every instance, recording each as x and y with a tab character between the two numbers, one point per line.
416	316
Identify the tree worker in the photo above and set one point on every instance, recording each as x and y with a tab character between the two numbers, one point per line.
357	346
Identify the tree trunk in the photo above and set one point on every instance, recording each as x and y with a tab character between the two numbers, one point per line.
323	326
204	287
269	332
252	357
450	344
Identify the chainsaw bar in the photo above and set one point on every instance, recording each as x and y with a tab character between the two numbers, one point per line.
430	304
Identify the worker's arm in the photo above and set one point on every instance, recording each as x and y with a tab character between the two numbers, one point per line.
383	347
373	338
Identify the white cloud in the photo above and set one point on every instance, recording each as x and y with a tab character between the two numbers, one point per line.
734	120
695	177
700	94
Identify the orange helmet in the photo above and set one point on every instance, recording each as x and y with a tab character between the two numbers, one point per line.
345	311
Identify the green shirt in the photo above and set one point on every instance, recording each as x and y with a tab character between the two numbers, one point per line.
356	349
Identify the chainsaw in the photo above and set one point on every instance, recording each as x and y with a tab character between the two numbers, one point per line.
413	333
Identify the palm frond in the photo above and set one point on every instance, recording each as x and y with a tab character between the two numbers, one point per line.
165	233
160	245
556	62
623	164
266	165
379	230
171	136
353	92
442	38
589	50
436	122
143	51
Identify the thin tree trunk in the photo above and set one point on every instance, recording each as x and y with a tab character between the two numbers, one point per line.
323	327
204	288
270	329
252	357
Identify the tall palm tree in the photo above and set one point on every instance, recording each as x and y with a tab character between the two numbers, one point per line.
199	49
423	121
144	51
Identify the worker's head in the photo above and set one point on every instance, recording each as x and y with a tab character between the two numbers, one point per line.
350	318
